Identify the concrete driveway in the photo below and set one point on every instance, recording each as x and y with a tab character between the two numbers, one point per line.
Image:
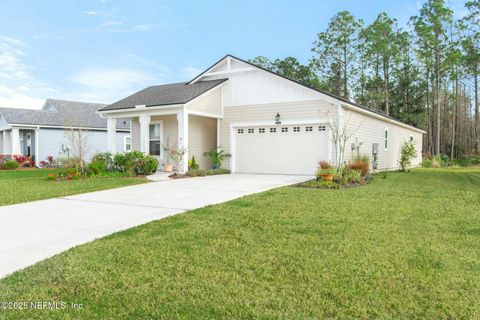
33	231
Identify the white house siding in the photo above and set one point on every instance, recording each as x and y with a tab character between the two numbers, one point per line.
202	137
210	102
304	111
51	141
369	130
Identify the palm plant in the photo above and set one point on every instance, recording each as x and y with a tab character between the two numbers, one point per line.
217	156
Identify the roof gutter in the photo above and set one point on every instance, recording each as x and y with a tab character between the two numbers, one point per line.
384	118
35	126
134	109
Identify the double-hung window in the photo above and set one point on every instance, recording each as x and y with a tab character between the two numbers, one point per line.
127	143
386	139
154	139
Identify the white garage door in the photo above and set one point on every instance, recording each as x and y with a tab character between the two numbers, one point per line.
289	149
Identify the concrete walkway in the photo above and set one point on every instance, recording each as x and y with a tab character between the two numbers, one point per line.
33	231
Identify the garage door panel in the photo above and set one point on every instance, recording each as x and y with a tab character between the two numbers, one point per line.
295	150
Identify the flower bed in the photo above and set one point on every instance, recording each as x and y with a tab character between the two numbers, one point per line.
351	175
199	173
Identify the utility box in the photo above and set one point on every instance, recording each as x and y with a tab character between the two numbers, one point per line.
375	148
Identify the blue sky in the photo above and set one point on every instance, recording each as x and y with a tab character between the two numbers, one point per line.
103	50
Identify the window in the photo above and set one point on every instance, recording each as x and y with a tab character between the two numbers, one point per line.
273	130
240	131
284	129
127	143
322	128
296	129
154	140
261	130
251	130
308	129
386	139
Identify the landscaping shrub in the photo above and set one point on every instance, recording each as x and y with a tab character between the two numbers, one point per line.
48	162
10	165
324	165
107	158
427	163
97	167
363	158
354	176
360	165
135	163
217	156
23	161
209	172
193	165
407	153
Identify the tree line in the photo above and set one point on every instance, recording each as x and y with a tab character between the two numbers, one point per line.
424	73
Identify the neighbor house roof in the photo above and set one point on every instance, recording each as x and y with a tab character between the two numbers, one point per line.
166	94
60	113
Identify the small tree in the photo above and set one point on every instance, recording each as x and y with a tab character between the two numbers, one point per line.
177	154
407	153
80	144
340	135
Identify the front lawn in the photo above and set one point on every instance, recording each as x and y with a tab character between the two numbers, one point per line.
27	185
403	247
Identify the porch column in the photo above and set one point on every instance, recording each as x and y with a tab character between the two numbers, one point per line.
144	133
182	118
111	134
2	141
7	142
16	141
37	146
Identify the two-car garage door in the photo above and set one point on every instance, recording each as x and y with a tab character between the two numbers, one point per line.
281	149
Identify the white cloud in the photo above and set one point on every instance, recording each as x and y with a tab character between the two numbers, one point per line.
109	85
15	99
16	79
110	23
191	72
91	13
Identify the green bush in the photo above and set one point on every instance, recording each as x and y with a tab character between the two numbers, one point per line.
193	164
407	153
107	158
97	167
10	165
209	172
427	163
136	163
354	176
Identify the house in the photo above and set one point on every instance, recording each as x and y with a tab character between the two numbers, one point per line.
42	133
266	122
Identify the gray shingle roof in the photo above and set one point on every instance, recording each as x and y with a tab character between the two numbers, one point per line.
65	113
174	93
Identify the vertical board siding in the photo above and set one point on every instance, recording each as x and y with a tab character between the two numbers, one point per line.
369	130
202	137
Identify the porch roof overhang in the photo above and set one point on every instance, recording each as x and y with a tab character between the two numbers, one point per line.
143	110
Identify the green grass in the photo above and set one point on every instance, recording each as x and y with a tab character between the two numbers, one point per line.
18	186
403	247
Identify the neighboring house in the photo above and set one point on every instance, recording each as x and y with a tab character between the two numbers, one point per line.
268	123
42	133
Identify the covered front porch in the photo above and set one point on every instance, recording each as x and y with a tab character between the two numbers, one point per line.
19	141
158	131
